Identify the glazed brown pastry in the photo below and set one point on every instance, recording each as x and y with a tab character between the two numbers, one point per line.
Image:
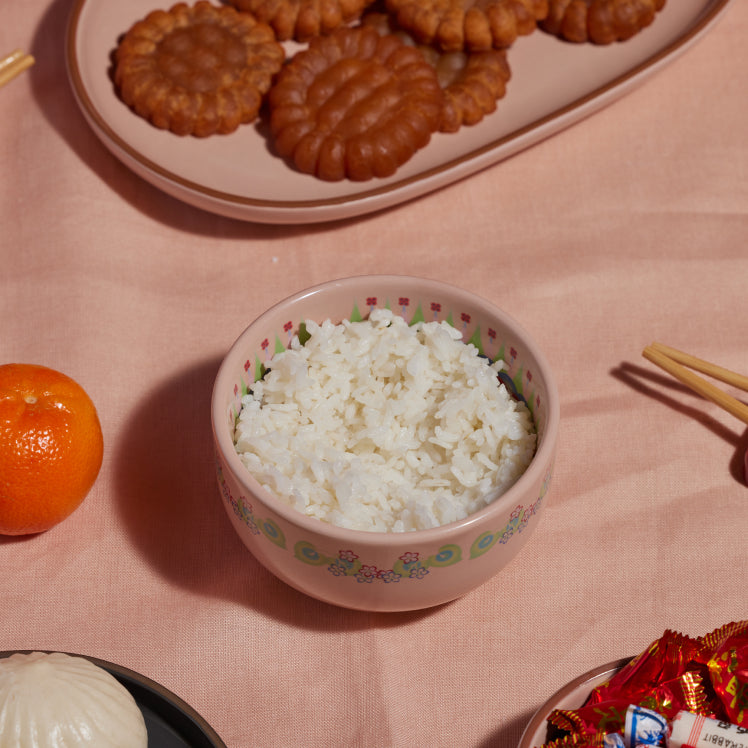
471	25
599	21
302	20
472	82
354	105
197	70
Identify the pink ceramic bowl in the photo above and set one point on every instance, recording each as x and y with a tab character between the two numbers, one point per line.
385	571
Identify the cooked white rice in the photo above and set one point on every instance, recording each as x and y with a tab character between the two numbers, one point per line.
381	426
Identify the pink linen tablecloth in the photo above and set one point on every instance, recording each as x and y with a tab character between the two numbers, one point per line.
629	227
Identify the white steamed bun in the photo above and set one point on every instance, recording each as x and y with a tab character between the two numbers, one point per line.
61	701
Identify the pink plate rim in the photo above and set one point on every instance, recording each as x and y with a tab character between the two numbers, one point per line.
593	677
369	199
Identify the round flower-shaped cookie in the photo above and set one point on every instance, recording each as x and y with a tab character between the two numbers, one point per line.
472	25
472	82
354	105
197	70
302	20
599	21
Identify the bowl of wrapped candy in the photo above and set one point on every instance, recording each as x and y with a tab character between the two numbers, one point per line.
680	692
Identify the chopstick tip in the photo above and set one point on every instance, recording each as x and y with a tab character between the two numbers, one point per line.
14	64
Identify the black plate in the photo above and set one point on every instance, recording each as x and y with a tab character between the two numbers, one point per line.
170	721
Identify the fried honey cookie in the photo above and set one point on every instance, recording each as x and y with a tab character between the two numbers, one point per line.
302	20
599	21
472	82
354	105
470	25
197	70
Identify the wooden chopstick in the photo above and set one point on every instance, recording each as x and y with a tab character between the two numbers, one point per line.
13	65
655	353
705	367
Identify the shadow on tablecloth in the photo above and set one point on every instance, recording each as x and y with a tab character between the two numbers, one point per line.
508	735
656	386
170	505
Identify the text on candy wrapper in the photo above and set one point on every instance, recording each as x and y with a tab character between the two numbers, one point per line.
726	742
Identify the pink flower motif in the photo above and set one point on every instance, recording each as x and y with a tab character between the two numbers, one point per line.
368	571
465	317
236	390
347	555
516	512
409	557
404	301
288	326
264	345
371	301
492	333
247	365
513	352
436	306
529	376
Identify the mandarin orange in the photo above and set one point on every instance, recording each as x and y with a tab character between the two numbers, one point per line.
51	447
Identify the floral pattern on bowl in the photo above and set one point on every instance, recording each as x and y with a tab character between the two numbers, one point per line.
409	565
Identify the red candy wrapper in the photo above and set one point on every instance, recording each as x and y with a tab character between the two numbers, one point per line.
676	673
662	676
728	669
